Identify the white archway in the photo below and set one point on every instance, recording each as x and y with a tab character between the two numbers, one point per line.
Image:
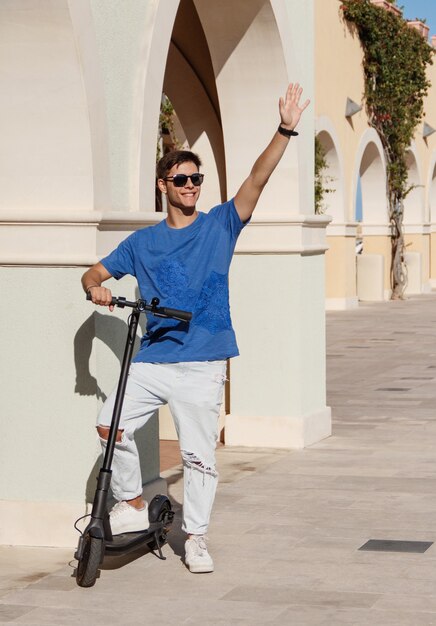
334	200
153	61
190	84
86	43
223	123
370	165
431	191
414	201
233	29
123	83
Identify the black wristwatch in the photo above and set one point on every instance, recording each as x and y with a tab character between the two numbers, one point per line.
286	133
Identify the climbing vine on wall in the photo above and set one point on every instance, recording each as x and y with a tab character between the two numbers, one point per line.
395	60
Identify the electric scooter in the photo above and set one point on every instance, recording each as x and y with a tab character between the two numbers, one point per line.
97	538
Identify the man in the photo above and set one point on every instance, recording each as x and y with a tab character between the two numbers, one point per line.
184	261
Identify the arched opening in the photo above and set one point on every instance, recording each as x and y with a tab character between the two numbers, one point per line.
373	186
432	195
190	85
432	215
212	79
372	277
358	212
250	78
414	201
333	201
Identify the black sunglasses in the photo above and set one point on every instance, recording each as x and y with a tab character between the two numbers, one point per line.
180	180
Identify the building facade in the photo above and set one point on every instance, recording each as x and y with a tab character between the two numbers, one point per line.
356	167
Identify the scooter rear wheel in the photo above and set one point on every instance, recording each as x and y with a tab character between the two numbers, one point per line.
89	564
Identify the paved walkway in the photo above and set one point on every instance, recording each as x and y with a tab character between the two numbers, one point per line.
288	526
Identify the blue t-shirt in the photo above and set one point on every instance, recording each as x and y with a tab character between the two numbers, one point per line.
186	268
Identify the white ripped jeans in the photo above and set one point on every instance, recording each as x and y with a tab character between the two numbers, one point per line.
193	392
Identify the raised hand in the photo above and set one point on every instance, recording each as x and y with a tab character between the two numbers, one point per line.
289	106
250	190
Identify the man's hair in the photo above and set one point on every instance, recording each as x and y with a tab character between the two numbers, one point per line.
176	157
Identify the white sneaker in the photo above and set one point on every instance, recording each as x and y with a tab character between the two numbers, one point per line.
197	558
124	518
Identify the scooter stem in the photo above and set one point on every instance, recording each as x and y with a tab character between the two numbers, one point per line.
128	351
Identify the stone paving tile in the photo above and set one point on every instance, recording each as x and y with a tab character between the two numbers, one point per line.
159	612
371	617
373	581
55	583
323	568
307	616
408	602
21	566
421	571
10	612
283	594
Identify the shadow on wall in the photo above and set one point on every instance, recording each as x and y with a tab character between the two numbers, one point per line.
112	331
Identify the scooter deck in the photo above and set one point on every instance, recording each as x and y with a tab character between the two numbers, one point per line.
130	541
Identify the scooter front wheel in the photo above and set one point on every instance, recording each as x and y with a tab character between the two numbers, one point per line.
89	564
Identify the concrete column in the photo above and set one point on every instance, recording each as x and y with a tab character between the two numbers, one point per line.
61	358
277	389
60	355
277	395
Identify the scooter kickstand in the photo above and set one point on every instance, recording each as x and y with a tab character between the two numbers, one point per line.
158	544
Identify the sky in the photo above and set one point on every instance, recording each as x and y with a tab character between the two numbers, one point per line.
420	9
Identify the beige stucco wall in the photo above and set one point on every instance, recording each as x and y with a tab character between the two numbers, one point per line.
339	75
380	244
429	171
426	147
421	244
341	274
334	82
433	259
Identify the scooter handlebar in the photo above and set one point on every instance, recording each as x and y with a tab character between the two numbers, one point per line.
141	305
177	314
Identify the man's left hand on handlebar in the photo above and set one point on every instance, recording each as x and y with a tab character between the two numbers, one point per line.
101	295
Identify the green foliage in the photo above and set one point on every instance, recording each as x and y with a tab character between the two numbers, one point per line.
395	60
166	122
166	139
321	179
166	126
